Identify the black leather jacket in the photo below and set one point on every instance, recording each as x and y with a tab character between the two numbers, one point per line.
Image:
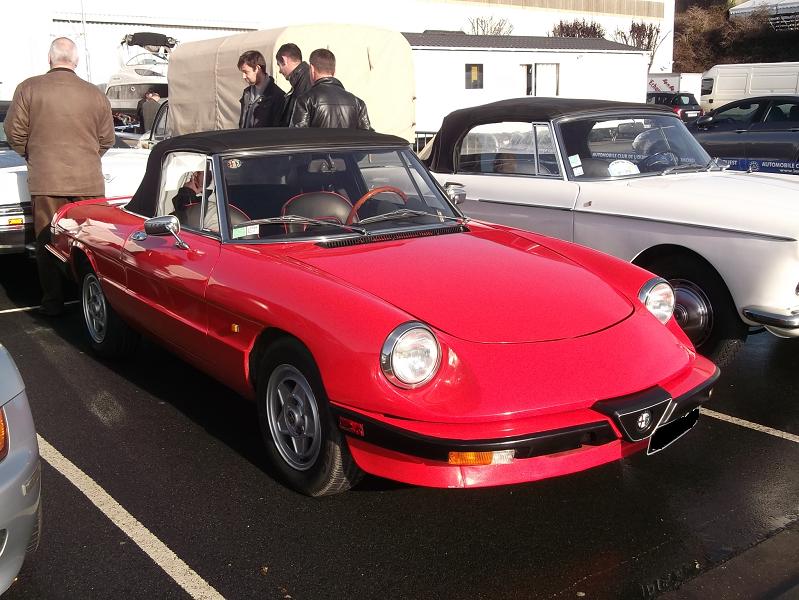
328	104
300	80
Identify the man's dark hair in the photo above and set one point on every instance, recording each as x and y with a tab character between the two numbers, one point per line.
291	51
323	60
252	58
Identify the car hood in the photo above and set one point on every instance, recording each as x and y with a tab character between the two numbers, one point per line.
746	202
487	285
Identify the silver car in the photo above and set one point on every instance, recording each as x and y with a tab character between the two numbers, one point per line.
20	474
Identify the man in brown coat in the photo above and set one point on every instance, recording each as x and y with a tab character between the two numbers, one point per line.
61	125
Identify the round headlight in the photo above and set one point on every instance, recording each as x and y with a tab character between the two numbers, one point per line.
410	355
658	297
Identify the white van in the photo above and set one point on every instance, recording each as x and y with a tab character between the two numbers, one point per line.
726	83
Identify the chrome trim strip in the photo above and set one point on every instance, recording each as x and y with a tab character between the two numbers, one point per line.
767	316
508	203
56	253
767	236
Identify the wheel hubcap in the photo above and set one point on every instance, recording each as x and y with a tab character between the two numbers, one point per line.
95	312
293	416
693	311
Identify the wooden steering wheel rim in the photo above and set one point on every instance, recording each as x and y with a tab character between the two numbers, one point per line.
370	194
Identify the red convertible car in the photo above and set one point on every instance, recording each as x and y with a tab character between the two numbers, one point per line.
326	276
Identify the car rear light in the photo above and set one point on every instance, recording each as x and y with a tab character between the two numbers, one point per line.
471	459
677	111
3	435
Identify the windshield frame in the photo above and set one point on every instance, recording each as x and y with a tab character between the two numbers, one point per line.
611	115
380	227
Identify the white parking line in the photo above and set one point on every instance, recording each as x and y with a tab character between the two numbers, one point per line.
178	570
27	308
757	427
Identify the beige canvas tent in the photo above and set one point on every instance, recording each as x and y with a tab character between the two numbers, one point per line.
374	64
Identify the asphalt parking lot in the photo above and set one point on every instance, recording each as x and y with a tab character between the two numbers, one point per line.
156	486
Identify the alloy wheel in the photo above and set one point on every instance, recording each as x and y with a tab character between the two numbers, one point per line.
95	311
293	416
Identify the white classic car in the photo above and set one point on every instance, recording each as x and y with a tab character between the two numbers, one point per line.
630	180
122	169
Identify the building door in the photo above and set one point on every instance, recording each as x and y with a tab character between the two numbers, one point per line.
543	79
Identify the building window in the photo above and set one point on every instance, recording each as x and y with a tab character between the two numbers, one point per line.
474	77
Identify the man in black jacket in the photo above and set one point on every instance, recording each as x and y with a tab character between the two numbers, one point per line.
297	73
262	101
327	103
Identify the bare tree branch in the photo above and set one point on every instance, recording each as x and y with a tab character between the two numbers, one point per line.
490	26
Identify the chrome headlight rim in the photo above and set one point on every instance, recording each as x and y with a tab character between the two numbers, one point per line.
646	292
386	354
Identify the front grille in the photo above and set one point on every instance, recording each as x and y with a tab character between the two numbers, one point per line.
390	237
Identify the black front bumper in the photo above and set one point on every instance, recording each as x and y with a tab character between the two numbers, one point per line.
638	415
624	412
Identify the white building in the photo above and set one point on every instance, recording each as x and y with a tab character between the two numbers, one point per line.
454	70
526	62
99	25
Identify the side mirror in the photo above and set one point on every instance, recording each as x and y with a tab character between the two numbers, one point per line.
704	120
455	192
166	225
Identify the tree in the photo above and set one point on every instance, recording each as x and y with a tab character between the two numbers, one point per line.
578	29
645	36
705	37
490	26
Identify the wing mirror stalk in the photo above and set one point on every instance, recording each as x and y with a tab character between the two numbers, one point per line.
455	192
166	225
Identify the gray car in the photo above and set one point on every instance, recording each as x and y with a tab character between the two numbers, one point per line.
20	474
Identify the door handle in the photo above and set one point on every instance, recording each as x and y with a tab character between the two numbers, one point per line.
138	236
741	130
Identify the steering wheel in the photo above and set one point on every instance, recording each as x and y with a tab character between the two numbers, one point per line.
370	194
666	158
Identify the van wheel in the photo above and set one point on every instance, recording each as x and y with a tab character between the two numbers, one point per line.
107	334
704	308
302	441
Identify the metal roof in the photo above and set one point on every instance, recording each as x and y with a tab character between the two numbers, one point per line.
459	39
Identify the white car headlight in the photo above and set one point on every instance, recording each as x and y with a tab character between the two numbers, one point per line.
410	355
658	297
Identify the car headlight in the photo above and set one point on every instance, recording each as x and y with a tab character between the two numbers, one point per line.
658	297
410	355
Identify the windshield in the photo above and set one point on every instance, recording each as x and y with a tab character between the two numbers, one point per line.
310	194
603	148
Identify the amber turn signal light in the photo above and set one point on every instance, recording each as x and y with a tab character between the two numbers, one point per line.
472	459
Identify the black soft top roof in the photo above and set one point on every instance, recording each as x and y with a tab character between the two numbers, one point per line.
233	141
457	123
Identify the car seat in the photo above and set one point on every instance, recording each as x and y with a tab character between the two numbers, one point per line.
325	206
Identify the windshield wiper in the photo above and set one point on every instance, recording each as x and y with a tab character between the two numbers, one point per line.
303	221
676	168
407	212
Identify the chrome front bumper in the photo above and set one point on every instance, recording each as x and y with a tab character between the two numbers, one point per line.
783	323
16	228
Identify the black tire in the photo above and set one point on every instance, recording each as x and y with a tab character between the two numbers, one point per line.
108	335
323	464
721	333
